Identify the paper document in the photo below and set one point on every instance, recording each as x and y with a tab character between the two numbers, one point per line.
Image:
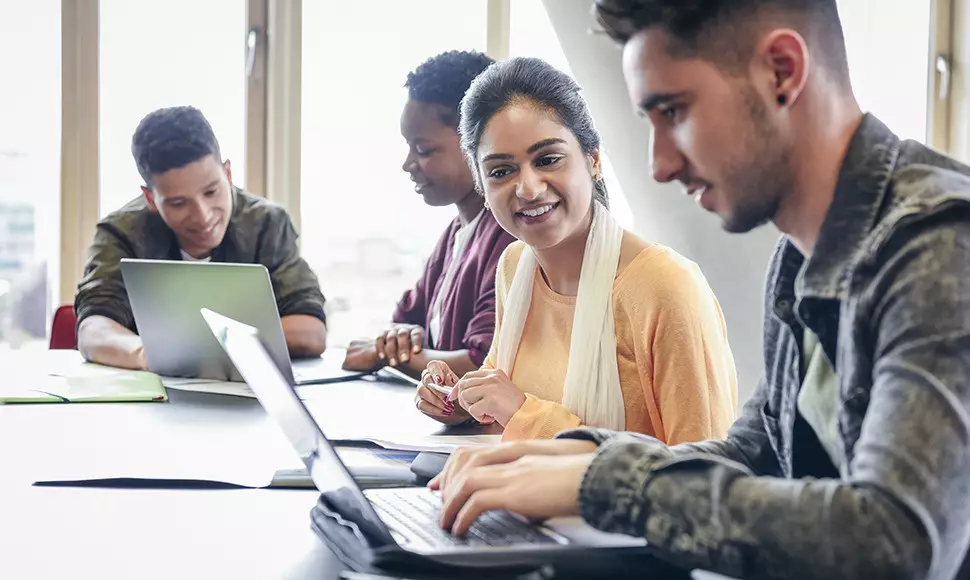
431	443
229	388
209	386
369	467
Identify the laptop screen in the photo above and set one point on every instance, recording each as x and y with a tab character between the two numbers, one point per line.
284	406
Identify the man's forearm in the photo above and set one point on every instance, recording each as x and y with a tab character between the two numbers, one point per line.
306	336
746	443
711	513
104	341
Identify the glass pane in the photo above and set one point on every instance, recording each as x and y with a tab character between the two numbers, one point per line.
888	49
161	54
531	34
365	231
30	156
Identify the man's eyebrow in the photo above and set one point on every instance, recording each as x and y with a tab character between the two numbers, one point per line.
651	102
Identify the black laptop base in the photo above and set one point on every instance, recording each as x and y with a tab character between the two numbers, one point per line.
356	550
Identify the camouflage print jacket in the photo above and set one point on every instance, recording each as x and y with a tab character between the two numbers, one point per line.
887	291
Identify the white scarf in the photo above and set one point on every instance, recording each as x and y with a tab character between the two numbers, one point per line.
592	387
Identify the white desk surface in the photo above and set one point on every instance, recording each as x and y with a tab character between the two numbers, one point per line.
135	533
111	533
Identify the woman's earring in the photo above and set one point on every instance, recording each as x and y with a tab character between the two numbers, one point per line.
487	206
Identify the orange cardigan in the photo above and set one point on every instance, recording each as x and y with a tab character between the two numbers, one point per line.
676	368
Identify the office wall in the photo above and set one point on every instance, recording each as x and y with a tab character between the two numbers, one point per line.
734	264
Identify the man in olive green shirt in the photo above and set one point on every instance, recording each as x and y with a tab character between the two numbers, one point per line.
189	210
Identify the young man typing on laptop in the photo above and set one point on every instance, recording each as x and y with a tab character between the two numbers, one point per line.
852	458
189	210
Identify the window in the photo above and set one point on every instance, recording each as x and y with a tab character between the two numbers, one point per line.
30	114
531	34
364	230
162	54
888	49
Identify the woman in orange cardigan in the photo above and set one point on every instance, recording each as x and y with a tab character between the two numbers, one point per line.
594	325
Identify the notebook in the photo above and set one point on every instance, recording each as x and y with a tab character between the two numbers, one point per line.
64	377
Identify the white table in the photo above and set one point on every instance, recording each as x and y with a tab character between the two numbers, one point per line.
136	533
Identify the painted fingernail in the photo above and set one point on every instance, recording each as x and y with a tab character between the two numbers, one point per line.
393	361
405	356
380	355
416	348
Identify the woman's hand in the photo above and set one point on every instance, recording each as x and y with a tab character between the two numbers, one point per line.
397	344
432	397
488	395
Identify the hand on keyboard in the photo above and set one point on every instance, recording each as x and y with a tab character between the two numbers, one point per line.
535	486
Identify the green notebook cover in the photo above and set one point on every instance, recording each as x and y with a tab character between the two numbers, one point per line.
88	384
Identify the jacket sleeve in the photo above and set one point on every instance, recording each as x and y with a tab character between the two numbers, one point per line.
101	290
295	285
900	510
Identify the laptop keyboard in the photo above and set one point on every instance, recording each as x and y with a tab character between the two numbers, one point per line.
416	511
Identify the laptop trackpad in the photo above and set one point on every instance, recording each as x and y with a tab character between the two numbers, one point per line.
583	534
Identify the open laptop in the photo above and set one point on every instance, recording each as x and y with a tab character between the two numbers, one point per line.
396	520
166	296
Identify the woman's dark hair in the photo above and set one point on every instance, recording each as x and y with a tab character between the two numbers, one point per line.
527	80
443	80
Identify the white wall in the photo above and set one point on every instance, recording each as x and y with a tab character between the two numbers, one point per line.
734	264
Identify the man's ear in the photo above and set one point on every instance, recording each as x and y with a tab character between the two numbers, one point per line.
227	167
787	60
149	198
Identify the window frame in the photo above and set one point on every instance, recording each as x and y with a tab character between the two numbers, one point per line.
273	108
950	114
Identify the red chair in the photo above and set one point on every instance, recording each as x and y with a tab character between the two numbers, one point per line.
64	328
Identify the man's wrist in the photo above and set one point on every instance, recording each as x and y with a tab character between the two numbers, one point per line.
611	496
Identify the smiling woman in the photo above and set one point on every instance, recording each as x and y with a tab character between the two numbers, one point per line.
595	326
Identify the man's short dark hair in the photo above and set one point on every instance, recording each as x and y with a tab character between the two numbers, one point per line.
725	31
171	138
443	80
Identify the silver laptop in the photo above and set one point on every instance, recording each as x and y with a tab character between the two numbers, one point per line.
166	296
397	519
